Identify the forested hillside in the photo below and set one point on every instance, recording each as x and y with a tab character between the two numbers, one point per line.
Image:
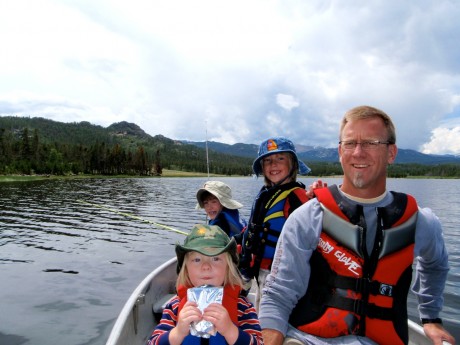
41	146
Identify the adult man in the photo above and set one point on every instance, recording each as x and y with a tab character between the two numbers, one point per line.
343	263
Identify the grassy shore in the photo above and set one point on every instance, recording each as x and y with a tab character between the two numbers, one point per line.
166	173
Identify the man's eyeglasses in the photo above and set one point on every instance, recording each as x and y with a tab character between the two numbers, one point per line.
365	145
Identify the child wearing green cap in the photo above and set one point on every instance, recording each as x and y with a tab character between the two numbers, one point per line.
208	257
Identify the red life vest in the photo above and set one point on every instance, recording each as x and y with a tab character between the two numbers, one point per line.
229	301
351	291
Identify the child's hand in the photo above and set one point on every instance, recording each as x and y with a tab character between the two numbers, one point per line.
313	186
219	317
188	314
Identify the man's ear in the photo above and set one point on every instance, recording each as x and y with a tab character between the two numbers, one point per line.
392	152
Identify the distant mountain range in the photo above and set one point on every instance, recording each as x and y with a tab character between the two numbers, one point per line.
130	136
322	154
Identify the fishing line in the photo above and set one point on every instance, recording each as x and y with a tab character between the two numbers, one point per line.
133	216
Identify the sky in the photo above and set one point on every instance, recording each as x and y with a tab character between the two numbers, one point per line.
236	71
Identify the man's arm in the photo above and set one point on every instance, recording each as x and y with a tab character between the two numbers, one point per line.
432	264
272	337
431	274
290	272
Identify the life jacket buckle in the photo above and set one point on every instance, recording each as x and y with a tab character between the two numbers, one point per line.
378	288
386	290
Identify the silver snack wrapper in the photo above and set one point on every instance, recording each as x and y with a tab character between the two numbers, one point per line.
203	296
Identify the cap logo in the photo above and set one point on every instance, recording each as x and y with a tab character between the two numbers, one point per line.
206	232
271	145
201	231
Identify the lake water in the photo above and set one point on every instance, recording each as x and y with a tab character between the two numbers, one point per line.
67	267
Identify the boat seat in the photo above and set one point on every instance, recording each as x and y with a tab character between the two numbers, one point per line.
160	305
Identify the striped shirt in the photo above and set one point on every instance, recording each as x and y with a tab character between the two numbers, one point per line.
248	324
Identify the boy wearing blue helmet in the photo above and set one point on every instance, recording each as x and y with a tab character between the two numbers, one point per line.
281	194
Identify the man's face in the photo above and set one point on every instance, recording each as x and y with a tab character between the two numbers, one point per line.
365	170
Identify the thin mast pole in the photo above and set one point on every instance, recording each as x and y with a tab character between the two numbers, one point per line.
207	156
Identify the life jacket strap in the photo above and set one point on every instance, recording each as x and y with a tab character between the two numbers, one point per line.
361	285
360	307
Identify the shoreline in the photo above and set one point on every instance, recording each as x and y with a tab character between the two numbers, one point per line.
166	173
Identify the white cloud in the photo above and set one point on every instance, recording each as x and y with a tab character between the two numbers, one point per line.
287	102
172	66
443	141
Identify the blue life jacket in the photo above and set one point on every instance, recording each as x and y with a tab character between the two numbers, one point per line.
229	221
269	212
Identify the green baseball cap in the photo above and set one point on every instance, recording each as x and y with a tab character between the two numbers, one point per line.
209	240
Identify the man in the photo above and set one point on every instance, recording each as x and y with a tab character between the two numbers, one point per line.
343	263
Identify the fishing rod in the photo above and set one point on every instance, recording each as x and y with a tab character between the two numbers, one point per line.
133	216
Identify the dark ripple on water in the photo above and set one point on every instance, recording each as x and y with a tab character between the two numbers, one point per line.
66	258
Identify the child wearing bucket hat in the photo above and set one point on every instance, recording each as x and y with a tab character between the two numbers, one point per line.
207	258
281	194
215	197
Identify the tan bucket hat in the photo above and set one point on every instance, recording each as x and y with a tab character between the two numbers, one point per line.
221	191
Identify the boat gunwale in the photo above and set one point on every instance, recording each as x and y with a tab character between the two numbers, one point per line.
127	310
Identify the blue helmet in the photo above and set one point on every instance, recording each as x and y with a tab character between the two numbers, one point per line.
277	145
